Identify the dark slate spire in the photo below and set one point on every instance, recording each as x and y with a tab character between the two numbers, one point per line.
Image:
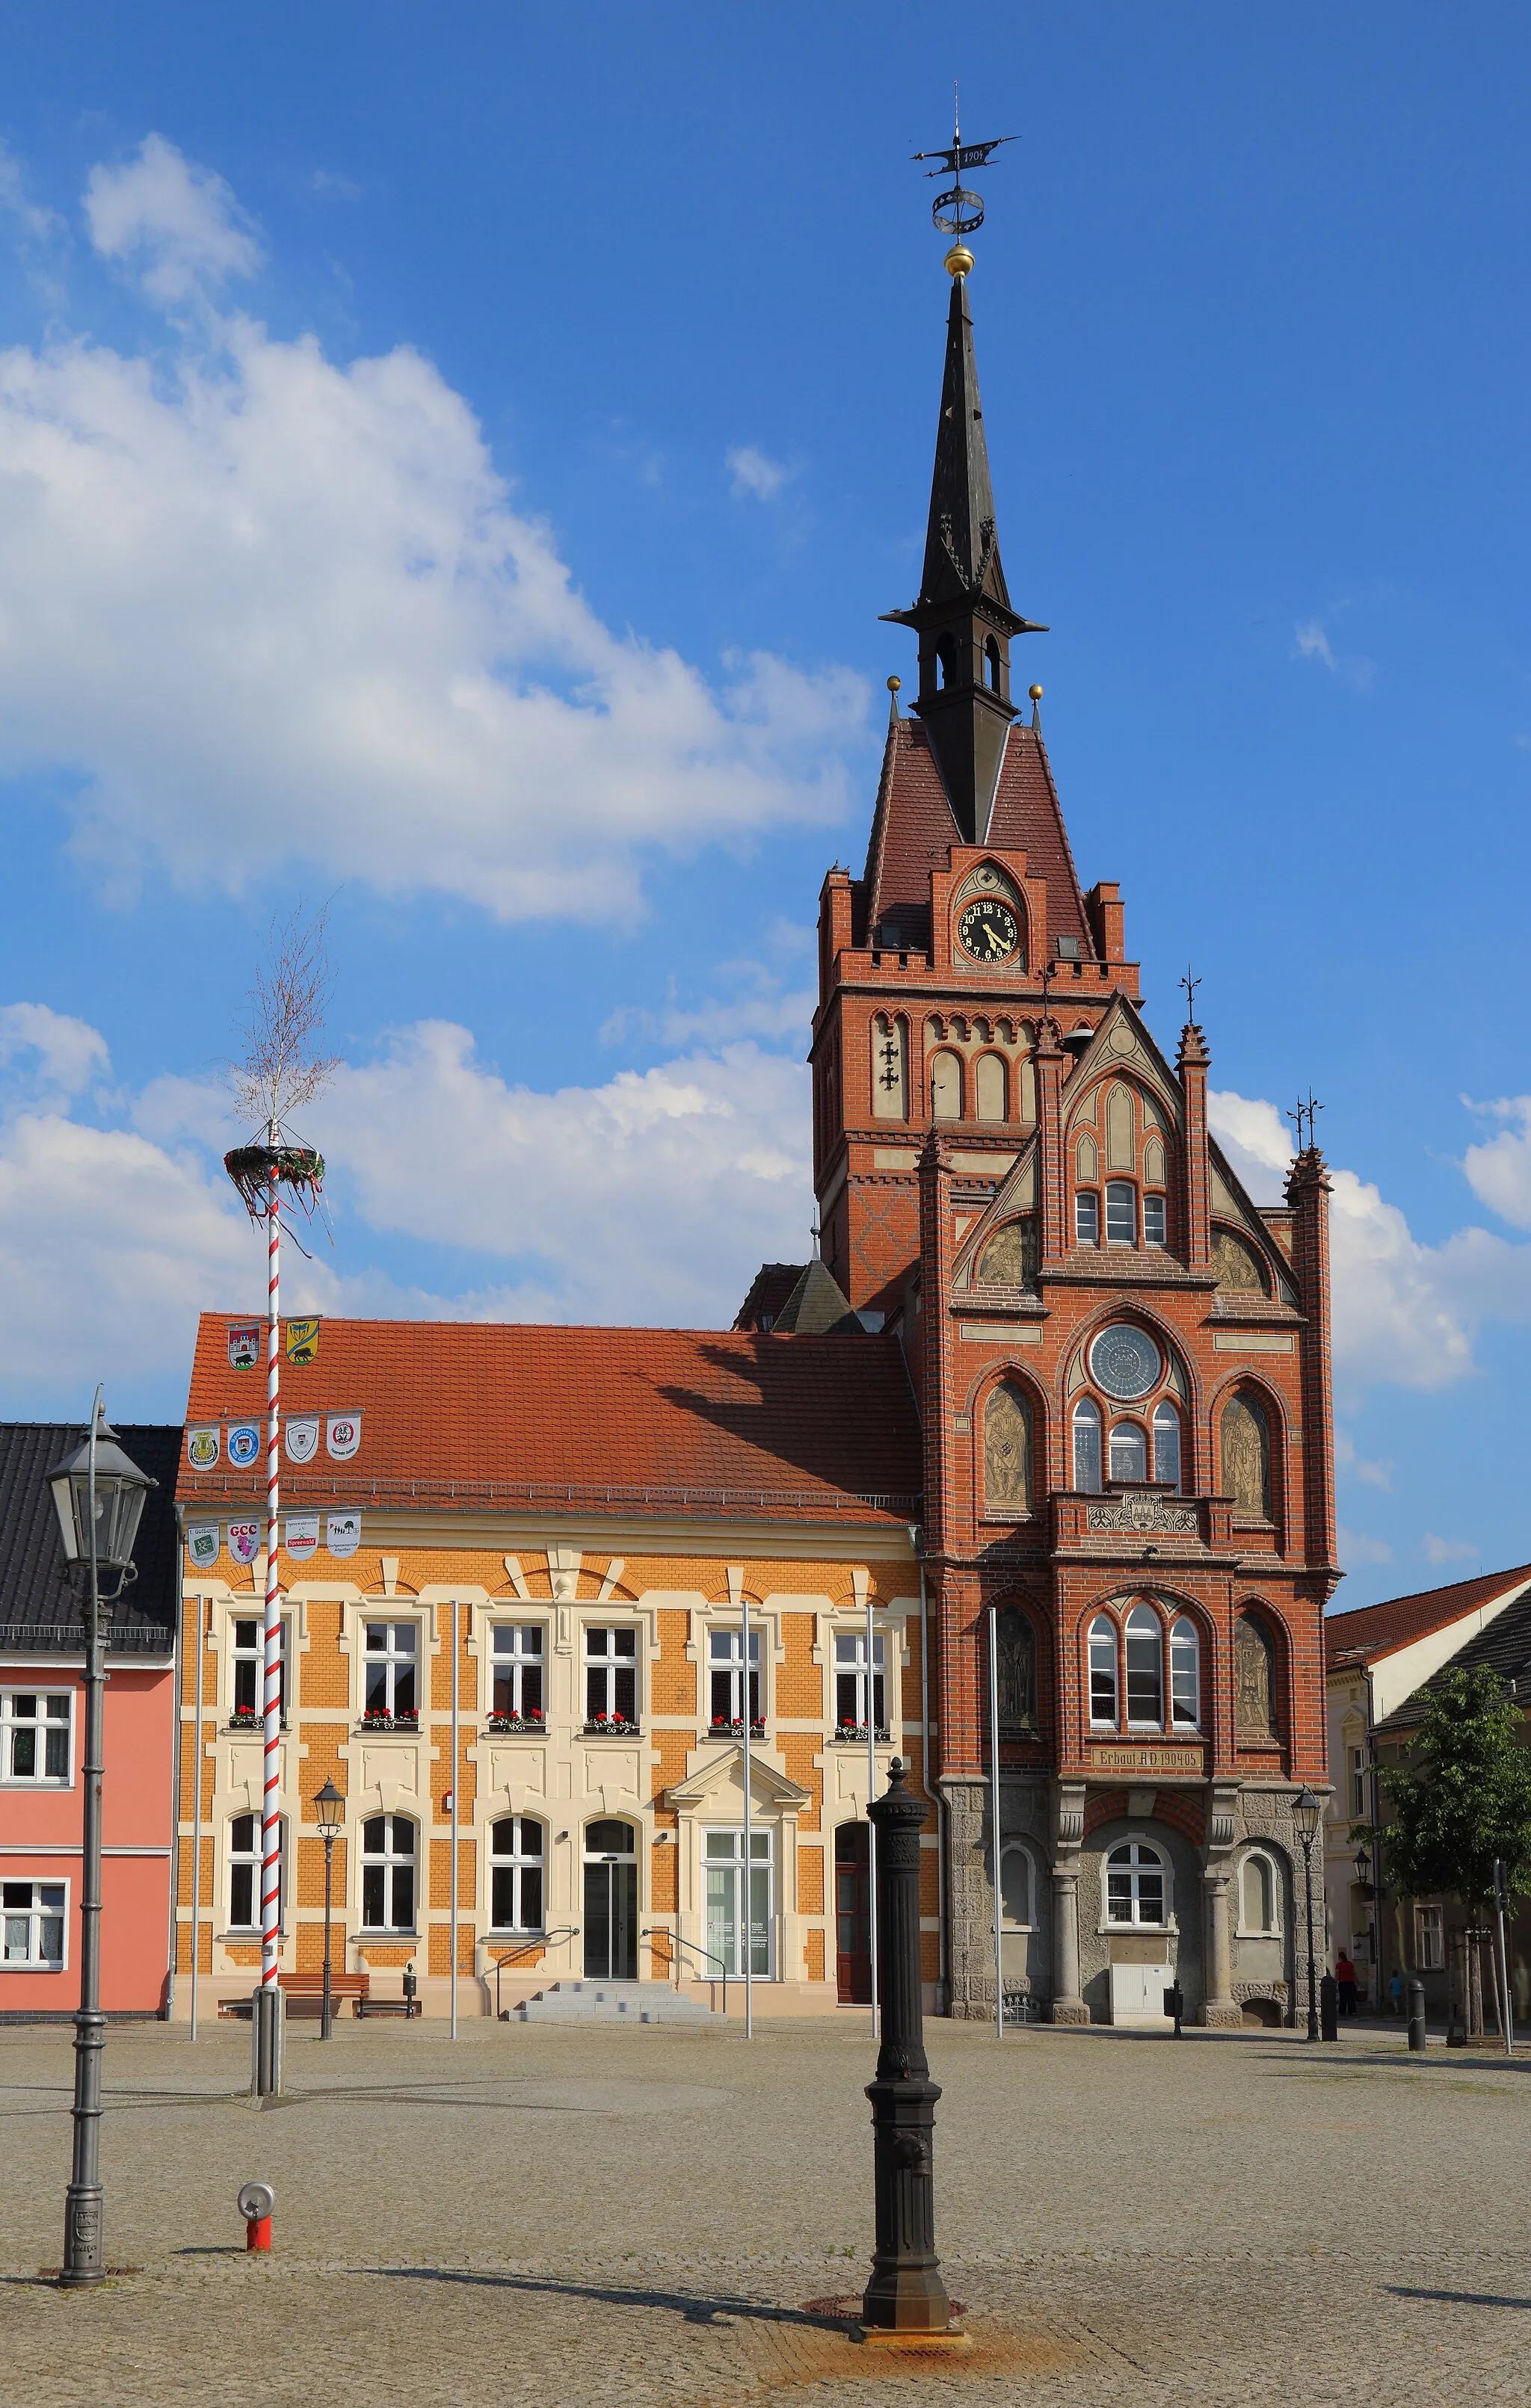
963	616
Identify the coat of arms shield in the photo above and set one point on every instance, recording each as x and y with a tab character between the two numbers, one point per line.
343	1435
202	1446
303	1340
302	1438
244	1443
202	1544
244	1542
244	1345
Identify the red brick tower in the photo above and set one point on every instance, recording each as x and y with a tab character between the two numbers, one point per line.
1122	1362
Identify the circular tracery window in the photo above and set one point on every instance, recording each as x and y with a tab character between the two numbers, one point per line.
1125	1361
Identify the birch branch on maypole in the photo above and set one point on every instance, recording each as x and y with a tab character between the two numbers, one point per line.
280	1071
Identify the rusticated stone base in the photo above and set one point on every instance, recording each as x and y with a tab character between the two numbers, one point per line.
1226	2017
1068	2011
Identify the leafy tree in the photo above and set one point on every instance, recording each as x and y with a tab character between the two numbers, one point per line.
1465	1796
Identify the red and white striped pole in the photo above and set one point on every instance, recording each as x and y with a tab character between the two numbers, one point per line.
268	2076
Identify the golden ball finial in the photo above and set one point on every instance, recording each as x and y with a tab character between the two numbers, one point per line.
893	684
1035	693
959	260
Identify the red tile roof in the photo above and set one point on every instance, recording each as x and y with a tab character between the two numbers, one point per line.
1374	1630
491	1416
912	827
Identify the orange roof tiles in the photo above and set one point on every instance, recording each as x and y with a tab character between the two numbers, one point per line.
503	1416
1374	1630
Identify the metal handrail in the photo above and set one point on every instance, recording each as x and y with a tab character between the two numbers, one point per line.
533	1939
658	1931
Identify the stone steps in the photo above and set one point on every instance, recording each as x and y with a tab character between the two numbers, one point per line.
631	2002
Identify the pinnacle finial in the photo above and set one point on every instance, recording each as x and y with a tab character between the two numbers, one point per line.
959	260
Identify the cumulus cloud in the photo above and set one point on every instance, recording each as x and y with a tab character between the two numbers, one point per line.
65	1054
755	472
1499	1170
39	224
1310	642
179	221
1449	1551
266	610
1355	1549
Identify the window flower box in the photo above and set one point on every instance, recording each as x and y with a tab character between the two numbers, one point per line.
610	1727
391	1721
503	1726
720	1727
848	1734
248	1719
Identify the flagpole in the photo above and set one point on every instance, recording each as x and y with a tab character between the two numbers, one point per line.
268	2075
749	1917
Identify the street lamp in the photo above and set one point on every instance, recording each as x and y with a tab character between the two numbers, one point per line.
98	1495
329	1811
1307	1814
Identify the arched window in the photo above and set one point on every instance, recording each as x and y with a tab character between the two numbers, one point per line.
1245	1456
388	1873
945	661
1129	1451
889	1068
946	1087
989	1088
1017	1887
1185	1675
1086	1217
1144	1669
1166	1445
1120	1212
1017	1651
244	1874
1254	1681
515	1874
1259	1898
991	665
1087	1445
1102	1670
1136	1890
1007	1452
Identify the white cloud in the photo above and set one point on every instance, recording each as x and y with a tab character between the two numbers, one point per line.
273	613
755	472
39	224
1375	1475
1313	643
180	218
1450	1551
1354	1549
1256	1140
69	1053
1499	1170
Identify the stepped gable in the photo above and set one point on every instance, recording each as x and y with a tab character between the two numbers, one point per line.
492	1416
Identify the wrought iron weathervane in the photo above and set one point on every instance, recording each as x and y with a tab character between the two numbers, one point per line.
958	212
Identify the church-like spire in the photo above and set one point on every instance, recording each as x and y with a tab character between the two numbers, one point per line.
963	615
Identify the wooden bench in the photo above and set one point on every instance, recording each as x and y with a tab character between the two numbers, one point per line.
305	1995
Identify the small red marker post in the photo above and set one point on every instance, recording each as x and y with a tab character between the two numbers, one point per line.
255	2202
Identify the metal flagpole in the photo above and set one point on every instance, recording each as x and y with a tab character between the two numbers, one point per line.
749	1862
268	2070
196	1815
454	1818
994	1812
871	1794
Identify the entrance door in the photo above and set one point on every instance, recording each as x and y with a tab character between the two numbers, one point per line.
611	1902
853	1913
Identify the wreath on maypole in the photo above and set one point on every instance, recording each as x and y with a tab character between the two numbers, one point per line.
298	1168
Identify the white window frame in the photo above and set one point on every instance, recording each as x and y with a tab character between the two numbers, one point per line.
1018	1848
46	1724
1430	1938
255	1653
763	1860
1086	1217
517	1861
1086	1414
1116	1190
1166	1419
1243	1928
850	1664
36	1914
1125	1428
1155	1220
1102	1638
238	1858
390	1860
726	1663
1142	1614
611	1663
392	1657
1185	1673
1149	1857
512	1662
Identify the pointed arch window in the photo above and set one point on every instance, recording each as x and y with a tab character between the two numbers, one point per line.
1102	1670
1245	1456
1144	1652
991	665
1185	1675
1129	1451
1087	1445
1166	1445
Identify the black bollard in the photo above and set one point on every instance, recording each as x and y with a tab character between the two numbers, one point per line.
1416	2014
905	2294
1174	2004
1329	2007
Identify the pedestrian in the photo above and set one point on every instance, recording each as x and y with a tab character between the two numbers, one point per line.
1396	1995
1345	1980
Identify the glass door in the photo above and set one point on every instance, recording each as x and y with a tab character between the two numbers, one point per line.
853	1913
723	1868
611	1902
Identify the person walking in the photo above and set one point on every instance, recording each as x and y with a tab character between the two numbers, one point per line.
1345	1982
1396	1995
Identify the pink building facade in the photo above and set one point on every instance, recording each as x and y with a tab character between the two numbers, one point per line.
42	1731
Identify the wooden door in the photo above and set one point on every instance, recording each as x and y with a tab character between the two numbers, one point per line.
853	1914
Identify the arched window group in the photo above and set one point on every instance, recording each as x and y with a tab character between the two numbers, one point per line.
1121	1171
1132	1444
1141	1675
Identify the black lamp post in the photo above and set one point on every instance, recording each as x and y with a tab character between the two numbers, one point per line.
906	2294
98	1495
329	1810
1307	1814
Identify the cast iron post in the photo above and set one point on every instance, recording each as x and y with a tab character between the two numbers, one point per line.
329	1878
905	2293
84	2259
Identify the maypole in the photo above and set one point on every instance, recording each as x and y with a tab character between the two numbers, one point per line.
279	1073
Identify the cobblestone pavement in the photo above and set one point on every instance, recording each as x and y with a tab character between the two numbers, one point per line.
639	2216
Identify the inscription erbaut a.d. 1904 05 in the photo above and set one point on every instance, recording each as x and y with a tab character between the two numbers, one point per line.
1142	1509
1146	1759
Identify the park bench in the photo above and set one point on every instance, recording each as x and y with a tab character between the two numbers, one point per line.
305	1995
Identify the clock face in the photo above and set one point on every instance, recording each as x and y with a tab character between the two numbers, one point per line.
988	930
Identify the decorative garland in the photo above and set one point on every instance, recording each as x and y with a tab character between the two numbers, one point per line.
297	1168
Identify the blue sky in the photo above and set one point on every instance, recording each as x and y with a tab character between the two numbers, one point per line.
452	462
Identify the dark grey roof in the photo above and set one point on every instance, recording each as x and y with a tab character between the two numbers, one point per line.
1504	1646
38	1606
818	1307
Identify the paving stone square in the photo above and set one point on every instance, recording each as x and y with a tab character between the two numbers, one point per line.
669	2218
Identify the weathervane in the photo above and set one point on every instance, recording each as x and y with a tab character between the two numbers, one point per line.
1305	1112
958	212
1189	985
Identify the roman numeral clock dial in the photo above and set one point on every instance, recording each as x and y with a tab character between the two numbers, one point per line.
988	931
